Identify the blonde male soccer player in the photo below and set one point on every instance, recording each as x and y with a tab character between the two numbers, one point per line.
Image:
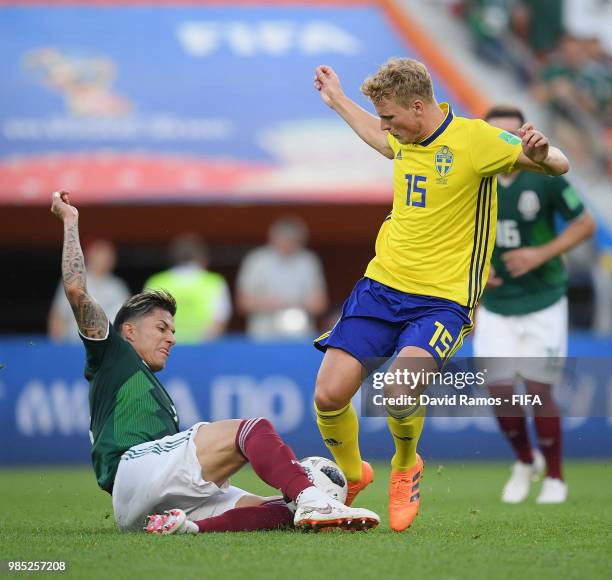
432	257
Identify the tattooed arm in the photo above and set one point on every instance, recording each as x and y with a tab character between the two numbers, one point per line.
90	317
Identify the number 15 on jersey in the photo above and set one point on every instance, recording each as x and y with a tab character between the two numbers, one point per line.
416	190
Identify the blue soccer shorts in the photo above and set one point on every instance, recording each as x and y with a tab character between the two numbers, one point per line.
378	321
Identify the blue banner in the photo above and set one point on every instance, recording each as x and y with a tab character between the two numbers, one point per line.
169	102
45	416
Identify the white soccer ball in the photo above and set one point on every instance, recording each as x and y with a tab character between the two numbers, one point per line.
327	476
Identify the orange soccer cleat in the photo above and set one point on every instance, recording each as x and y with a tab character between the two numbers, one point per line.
404	496
354	487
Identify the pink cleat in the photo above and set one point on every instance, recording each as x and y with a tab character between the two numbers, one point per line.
170	522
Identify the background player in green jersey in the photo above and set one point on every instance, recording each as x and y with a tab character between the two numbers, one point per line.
140	456
523	314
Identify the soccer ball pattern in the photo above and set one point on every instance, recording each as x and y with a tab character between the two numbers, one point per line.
327	476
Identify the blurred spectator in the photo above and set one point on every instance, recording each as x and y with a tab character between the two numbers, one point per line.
576	85
491	23
537	23
544	24
599	73
330	317
281	286
202	297
108	290
565	82
571	73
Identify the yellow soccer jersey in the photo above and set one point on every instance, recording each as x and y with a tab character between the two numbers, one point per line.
438	239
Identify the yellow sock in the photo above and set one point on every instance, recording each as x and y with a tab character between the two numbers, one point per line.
340	431
406	432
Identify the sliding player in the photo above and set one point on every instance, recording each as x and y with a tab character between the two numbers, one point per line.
139	455
432	257
523	314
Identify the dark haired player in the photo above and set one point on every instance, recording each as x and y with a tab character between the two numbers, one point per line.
140	456
523	316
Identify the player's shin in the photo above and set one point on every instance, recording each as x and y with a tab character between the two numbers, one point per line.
548	427
406	426
271	458
340	432
512	422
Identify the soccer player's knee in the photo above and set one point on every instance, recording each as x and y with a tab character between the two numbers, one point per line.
259	424
326	400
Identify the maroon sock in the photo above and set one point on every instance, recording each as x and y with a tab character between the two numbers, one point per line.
268	516
271	458
515	430
548	428
512	422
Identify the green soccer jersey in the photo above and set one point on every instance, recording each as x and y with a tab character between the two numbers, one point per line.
526	217
127	403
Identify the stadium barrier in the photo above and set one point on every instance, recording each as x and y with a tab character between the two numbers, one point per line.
45	416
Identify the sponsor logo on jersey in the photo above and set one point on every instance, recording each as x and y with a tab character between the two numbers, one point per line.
509	138
529	205
444	161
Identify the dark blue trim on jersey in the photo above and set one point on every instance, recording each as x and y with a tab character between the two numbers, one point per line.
481	229
439	130
475	247
488	194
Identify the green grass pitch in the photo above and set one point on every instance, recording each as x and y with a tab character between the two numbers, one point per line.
463	531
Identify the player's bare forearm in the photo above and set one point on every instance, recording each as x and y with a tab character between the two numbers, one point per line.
538	154
366	125
577	231
90	317
556	163
73	263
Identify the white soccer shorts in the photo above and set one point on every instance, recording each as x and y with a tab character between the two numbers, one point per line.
534	344
160	475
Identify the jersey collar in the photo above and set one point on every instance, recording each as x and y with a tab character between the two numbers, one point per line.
447	120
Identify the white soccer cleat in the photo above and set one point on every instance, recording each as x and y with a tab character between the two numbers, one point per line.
553	491
516	489
170	522
333	514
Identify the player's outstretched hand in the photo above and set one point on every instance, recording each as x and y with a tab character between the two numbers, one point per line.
326	81
61	208
535	144
522	260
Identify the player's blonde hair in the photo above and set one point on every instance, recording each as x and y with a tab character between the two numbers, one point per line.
400	79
